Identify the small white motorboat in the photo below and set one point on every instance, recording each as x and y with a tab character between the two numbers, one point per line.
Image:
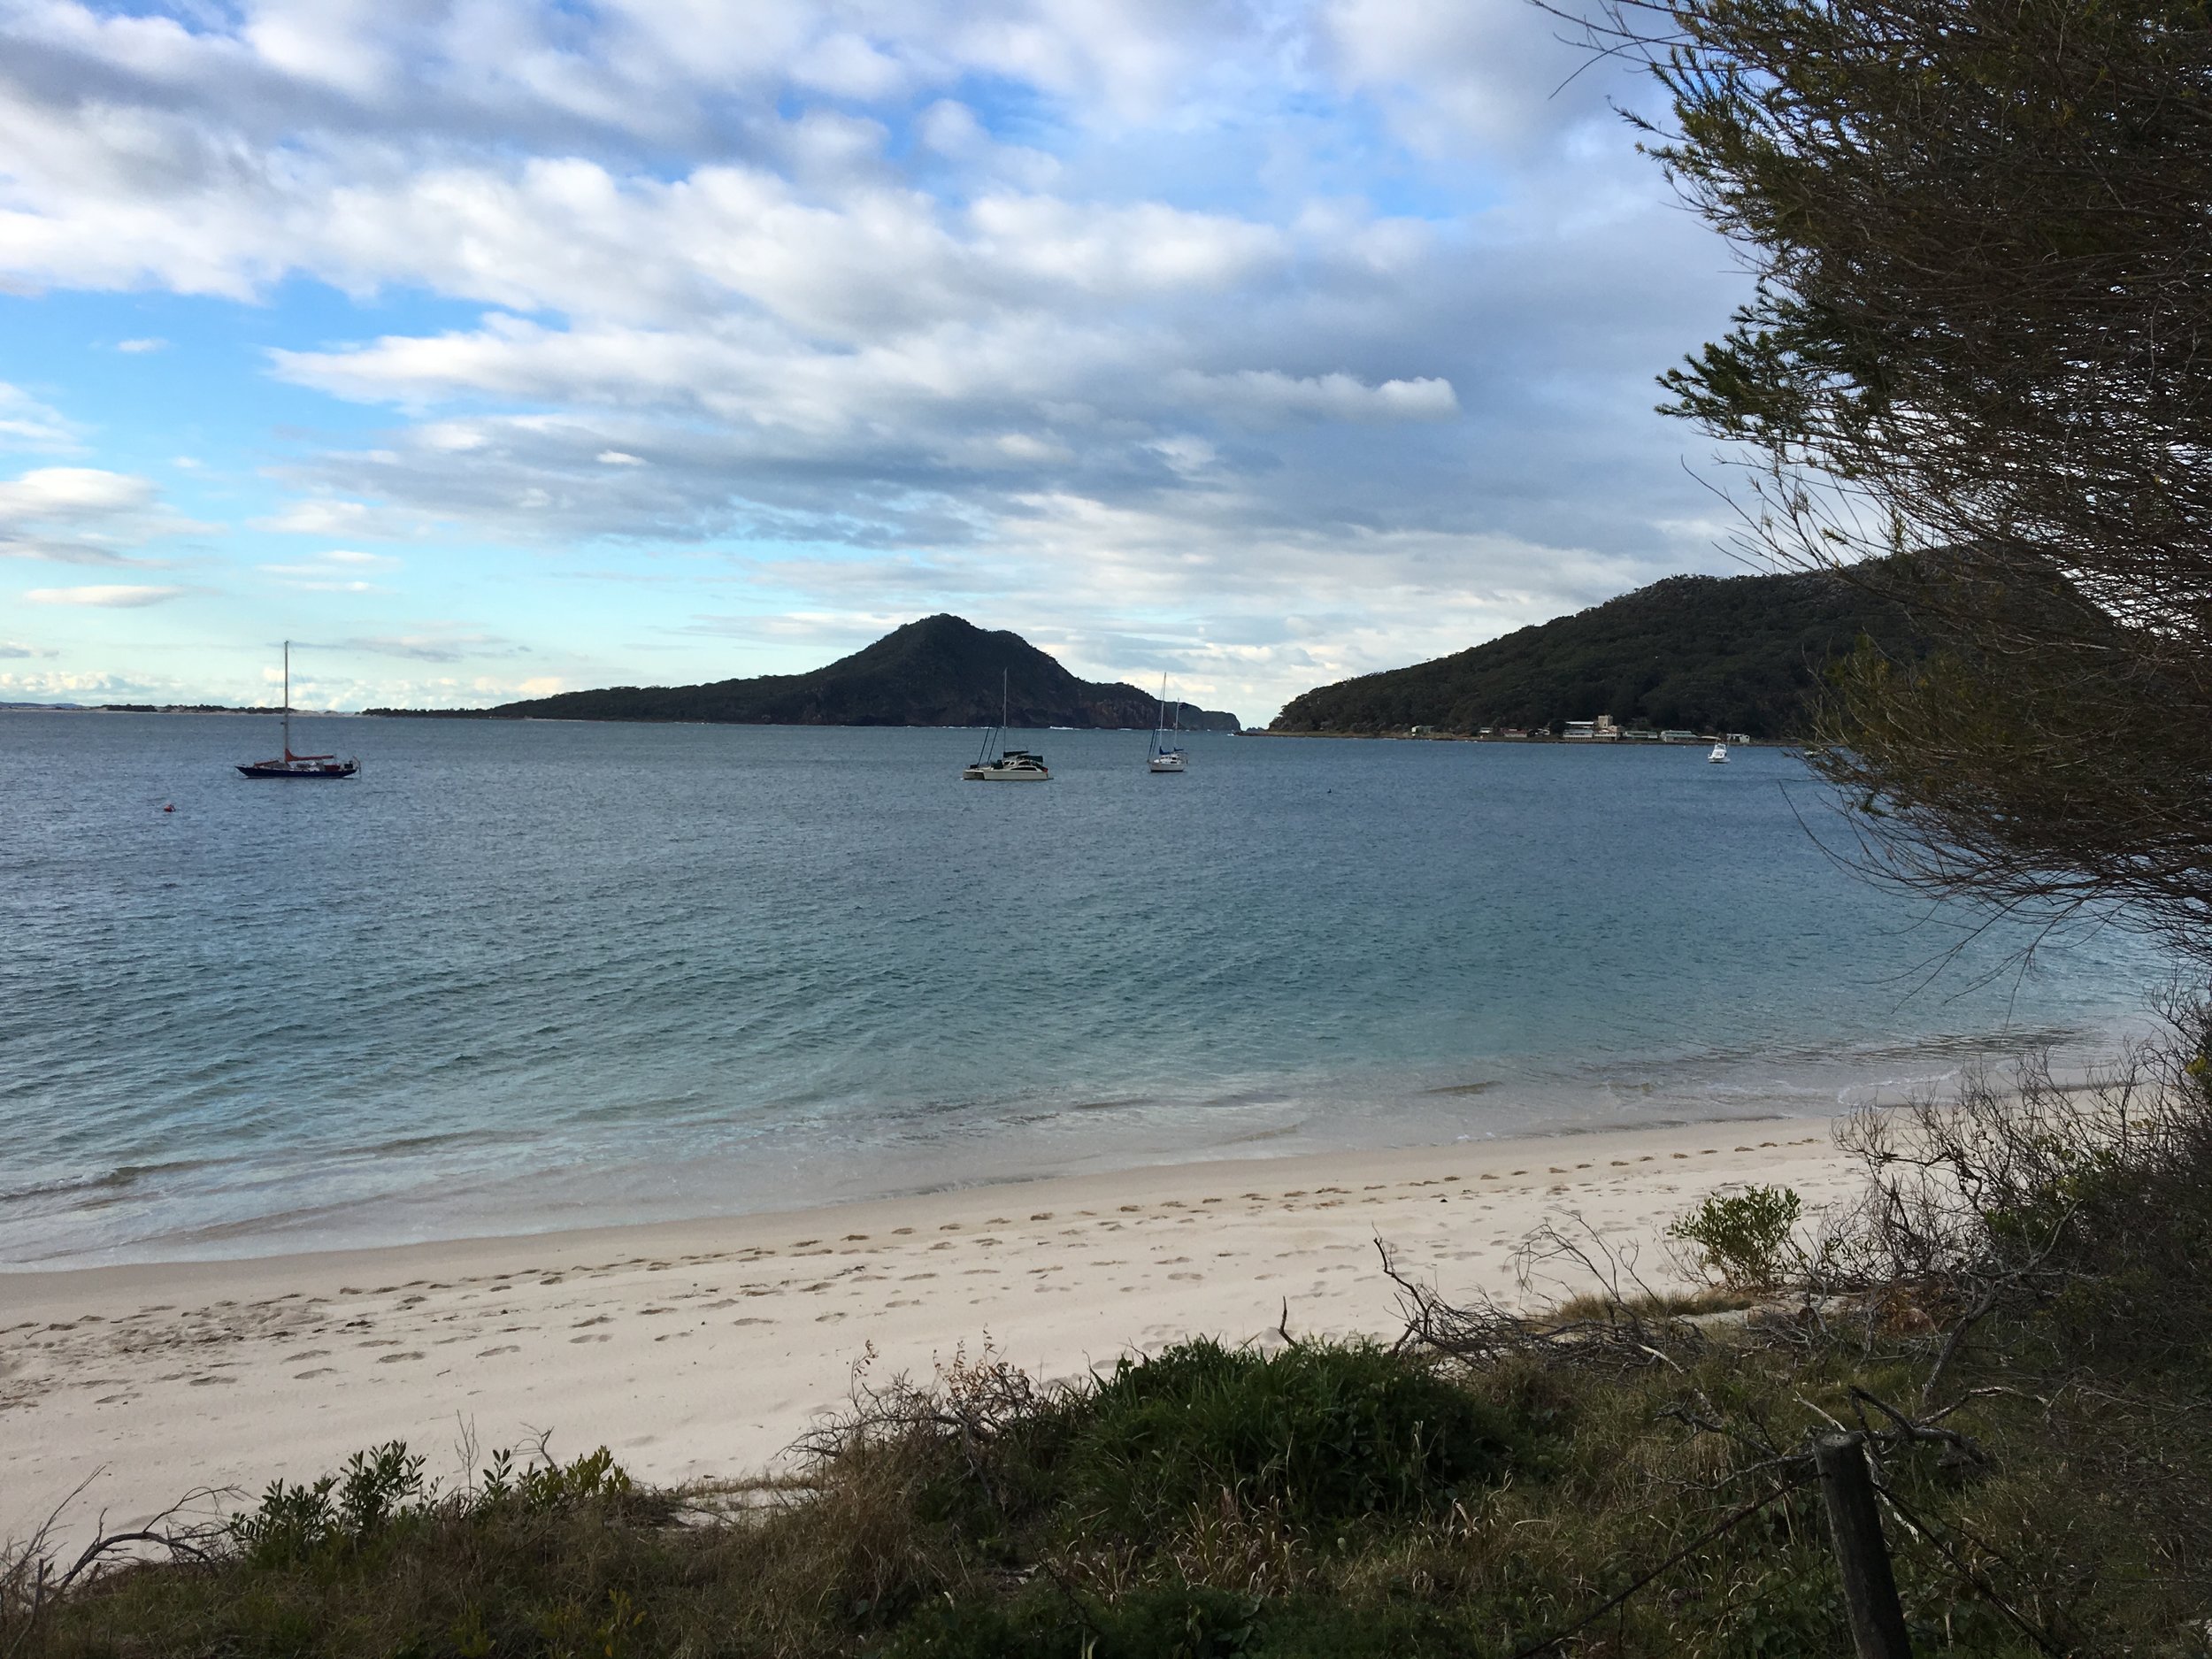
1719	756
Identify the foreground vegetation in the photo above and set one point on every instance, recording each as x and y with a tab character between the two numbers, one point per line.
2016	1318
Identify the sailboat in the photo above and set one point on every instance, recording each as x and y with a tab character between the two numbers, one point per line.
1719	756
291	766
1162	757
1013	765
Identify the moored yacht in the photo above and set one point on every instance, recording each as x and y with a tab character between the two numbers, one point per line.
1013	765
1164	757
291	766
1719	756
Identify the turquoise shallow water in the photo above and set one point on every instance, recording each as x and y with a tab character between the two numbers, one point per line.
539	975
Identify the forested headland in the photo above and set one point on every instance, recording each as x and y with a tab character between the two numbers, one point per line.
940	670
1701	653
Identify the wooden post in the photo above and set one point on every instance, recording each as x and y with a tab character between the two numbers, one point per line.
1869	1591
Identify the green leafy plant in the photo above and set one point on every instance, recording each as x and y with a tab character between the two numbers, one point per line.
1743	1237
292	1523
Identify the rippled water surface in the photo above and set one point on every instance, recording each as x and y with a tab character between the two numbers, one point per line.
536	975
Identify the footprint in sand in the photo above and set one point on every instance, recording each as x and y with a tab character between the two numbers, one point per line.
201	1382
319	1370
394	1359
594	1336
1189	1275
114	1400
752	1322
490	1353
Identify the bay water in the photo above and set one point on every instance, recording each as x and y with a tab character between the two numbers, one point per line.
523	976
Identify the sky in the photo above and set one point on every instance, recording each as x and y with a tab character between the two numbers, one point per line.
486	349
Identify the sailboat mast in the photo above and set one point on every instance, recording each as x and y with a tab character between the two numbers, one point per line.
287	699
1002	702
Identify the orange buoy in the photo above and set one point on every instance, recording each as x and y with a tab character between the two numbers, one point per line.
169	809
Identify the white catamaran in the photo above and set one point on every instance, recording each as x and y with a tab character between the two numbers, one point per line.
291	766
1164	757
1013	765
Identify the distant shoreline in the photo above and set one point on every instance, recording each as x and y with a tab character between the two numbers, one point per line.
1546	739
544	719
173	708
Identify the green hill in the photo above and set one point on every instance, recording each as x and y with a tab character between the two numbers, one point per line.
1704	653
941	670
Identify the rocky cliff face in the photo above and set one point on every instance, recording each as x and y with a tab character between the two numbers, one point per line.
941	670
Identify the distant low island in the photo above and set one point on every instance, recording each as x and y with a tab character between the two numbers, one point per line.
1693	653
940	670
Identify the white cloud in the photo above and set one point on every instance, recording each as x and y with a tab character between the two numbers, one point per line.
138	346
442	645
72	493
108	596
340	571
14	648
63	686
83	515
27	424
1268	396
325	516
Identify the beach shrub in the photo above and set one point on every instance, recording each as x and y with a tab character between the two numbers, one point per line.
1323	1432
292	1523
1743	1237
542	1484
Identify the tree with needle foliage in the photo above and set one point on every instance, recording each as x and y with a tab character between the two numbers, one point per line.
1975	375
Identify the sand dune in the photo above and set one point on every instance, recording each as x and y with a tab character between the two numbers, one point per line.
700	1349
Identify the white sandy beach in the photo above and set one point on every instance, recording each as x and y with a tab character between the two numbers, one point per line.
702	1349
